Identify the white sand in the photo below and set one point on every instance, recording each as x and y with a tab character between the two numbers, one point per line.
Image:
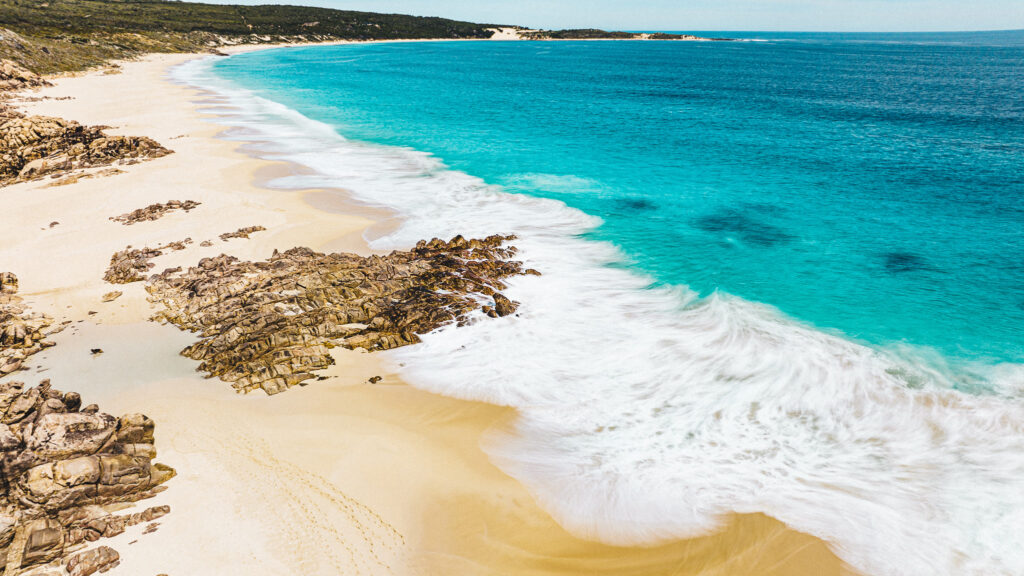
339	477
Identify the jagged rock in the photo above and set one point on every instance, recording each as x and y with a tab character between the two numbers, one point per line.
131	265
22	333
89	562
154	211
32	147
111	296
503	306
14	77
241	232
59	468
8	283
270	325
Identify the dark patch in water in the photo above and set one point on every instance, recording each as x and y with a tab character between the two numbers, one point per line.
898	262
635	204
748	229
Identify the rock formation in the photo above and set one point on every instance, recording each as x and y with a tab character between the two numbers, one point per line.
22	333
111	296
271	324
36	146
241	233
98	559
154	211
62	468
131	264
32	147
14	77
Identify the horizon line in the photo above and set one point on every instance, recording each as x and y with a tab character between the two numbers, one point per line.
986	30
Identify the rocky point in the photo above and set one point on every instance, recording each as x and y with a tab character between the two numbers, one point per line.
270	325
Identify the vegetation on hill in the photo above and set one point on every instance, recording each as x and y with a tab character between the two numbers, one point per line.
596	34
579	34
49	36
60	35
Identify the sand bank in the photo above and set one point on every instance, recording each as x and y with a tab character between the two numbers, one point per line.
339	477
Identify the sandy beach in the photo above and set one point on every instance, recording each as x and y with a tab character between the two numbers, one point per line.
337	477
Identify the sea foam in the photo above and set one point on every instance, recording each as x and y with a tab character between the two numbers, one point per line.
647	413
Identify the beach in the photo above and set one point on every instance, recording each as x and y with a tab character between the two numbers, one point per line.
340	476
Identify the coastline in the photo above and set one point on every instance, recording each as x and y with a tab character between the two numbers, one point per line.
317	477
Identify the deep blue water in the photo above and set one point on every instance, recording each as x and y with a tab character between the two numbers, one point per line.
869	185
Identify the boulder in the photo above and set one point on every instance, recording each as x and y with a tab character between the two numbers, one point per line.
66	435
45	541
8	283
503	306
154	211
98	559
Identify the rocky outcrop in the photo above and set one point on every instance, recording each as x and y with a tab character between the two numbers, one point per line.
22	333
270	325
62	468
36	146
33	147
8	283
14	77
241	233
98	559
154	211
132	264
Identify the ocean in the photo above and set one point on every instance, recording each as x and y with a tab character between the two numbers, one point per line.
783	275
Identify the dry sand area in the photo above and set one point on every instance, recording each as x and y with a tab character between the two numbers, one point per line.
338	477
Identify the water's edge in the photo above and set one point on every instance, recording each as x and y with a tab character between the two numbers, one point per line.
647	414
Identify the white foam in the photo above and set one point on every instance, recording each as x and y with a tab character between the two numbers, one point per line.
647	413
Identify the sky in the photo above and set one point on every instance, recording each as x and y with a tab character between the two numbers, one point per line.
760	15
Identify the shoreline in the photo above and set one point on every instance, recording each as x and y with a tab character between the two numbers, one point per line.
321	451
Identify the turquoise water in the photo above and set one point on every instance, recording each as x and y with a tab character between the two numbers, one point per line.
876	189
781	276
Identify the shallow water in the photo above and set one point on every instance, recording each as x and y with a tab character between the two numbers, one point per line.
779	277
